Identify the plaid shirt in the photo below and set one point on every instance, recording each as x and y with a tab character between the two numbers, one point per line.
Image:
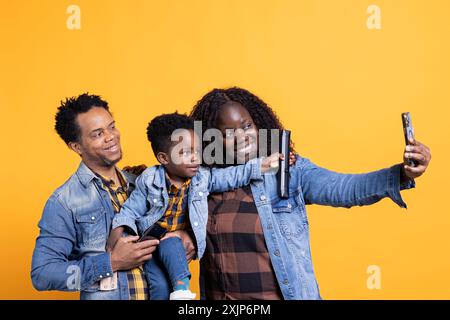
175	216
236	264
137	284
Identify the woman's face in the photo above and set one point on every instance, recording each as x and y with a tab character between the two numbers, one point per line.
239	131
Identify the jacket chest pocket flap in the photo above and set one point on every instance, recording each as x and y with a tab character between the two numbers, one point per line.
91	224
155	202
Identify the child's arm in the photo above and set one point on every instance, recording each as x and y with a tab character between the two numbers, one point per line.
234	177
134	208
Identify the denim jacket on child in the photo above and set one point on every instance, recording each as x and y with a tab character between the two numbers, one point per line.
149	201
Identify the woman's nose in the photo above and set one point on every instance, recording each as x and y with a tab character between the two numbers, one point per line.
239	136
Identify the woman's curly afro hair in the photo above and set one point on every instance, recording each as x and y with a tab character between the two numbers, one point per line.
208	108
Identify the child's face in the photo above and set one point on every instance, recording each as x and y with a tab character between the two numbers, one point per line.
184	157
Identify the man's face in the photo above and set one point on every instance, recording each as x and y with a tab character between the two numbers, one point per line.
99	141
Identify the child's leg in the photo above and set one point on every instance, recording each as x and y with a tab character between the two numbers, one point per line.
172	254
157	278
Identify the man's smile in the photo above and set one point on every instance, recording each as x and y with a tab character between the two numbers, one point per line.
113	148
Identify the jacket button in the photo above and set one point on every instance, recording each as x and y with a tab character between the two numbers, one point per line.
277	253
285	281
154	200
93	218
107	274
200	193
196	223
289	205
263	197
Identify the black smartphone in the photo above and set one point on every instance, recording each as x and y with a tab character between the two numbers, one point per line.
283	169
146	235
408	132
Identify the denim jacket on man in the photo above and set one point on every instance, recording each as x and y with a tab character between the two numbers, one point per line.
70	254
285	224
70	250
149	201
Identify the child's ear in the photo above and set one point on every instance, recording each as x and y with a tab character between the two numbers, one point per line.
162	158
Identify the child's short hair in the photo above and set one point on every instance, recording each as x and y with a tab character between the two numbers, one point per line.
160	129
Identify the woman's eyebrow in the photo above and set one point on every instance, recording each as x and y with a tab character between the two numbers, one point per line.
246	121
226	128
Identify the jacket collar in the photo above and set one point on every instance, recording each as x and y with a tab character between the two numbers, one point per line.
85	175
160	178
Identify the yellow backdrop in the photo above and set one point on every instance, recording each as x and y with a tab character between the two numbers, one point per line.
337	83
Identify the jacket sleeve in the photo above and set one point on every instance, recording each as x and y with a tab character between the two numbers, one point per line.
52	268
226	179
134	207
325	187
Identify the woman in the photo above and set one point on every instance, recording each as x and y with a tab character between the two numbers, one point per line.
257	243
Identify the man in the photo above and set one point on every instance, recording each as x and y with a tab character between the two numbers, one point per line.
70	250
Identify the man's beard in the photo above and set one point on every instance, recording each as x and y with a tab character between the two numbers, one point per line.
109	163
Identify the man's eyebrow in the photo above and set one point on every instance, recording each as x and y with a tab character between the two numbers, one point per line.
100	129
95	130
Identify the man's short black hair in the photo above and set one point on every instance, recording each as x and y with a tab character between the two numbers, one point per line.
65	120
160	129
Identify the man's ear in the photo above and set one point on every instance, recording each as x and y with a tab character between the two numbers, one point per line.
162	158
75	146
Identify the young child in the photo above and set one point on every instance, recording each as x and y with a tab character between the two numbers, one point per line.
173	196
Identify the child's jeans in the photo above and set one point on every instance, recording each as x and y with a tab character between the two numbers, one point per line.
167	265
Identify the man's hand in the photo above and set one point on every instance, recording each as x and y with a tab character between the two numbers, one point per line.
115	235
128	254
136	170
187	242
421	154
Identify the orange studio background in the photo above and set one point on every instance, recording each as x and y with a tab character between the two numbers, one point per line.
338	73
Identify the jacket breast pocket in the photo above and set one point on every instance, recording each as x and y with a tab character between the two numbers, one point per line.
91	225
291	216
199	200
155	204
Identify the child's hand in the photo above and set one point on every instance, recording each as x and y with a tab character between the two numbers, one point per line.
115	235
271	163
